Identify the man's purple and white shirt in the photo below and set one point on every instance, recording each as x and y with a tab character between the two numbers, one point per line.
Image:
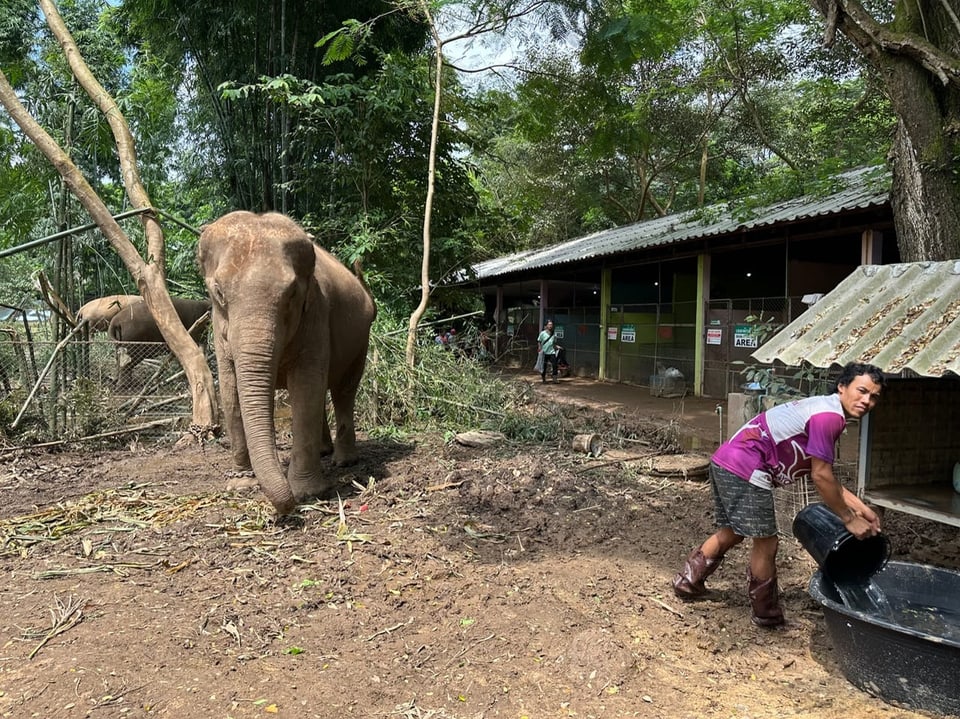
775	447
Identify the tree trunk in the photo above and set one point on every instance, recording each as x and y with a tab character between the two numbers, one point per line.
411	353
925	195
918	57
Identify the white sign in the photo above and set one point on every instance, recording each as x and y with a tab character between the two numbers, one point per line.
714	336
743	336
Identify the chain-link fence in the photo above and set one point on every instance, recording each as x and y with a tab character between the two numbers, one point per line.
655	344
87	387
652	345
735	328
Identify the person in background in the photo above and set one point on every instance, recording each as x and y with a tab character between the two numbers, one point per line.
778	447
547	343
485	345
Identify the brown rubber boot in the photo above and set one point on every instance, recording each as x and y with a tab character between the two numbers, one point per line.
688	584
765	601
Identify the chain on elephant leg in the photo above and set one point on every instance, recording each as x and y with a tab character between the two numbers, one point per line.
241	479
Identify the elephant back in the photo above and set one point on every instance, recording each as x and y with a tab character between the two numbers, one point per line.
135	323
99	311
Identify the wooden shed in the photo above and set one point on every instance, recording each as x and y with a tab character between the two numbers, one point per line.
904	318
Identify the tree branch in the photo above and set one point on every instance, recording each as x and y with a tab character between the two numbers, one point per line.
71	176
126	149
830	30
872	37
953	16
149	274
480	27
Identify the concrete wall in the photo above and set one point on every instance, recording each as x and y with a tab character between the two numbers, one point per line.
914	435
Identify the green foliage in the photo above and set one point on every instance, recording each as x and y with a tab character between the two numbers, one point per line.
251	129
331	124
9	408
445	390
805	382
448	391
90	414
16	280
659	92
342	43
33	201
561	172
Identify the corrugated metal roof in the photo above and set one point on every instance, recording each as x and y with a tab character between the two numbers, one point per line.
862	188
898	317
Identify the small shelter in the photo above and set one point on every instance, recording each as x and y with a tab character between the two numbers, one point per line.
904	318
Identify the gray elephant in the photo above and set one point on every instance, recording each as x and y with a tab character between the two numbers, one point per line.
134	324
286	314
100	311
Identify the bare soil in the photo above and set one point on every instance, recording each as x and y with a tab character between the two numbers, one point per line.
507	581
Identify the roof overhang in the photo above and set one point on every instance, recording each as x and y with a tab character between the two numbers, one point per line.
898	317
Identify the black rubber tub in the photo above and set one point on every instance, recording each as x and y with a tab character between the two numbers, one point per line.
910	658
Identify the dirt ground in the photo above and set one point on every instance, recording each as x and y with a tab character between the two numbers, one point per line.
511	581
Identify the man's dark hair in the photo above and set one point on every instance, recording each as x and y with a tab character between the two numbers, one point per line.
854	369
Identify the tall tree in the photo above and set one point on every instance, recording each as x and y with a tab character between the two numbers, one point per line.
488	16
149	272
261	149
916	51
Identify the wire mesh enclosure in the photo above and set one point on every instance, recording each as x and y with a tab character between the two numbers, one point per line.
87	387
789	500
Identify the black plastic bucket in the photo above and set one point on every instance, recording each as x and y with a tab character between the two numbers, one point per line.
841	557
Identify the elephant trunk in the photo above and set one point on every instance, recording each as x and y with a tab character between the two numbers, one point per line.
256	369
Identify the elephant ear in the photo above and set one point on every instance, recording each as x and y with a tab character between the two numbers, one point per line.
301	256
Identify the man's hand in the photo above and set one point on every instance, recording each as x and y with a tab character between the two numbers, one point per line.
860	520
857	517
860	527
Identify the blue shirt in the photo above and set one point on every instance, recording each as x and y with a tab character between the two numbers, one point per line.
547	342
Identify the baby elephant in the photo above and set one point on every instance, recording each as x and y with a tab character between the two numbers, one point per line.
134	324
286	313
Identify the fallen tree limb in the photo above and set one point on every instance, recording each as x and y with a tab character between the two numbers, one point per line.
101	435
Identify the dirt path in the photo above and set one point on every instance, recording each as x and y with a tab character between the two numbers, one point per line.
460	583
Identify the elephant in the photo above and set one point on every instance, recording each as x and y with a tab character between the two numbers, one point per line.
100	311
134	324
286	314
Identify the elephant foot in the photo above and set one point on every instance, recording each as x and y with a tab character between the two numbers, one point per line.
344	458
316	494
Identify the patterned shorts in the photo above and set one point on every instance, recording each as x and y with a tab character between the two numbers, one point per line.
744	507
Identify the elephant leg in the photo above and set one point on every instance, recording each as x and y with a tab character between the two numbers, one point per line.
344	402
233	420
326	441
308	392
